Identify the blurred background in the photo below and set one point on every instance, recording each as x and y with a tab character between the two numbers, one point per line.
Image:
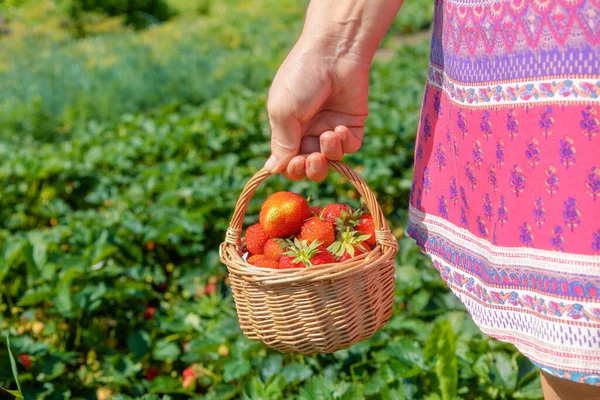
127	130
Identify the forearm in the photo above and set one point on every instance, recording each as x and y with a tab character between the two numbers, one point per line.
348	28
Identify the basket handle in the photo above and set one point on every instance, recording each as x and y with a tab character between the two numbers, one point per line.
383	234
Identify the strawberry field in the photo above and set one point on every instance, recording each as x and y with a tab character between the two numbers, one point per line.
123	154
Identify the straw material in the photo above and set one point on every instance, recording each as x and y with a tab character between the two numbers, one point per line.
319	309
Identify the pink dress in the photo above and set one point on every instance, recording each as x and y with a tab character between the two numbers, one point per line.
506	193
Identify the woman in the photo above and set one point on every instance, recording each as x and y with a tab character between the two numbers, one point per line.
506	193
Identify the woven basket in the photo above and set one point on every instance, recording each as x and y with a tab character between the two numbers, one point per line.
320	309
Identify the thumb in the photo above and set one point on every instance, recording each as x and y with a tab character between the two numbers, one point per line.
286	135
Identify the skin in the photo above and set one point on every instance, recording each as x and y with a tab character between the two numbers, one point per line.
318	105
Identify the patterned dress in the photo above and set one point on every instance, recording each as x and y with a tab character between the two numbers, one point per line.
506	193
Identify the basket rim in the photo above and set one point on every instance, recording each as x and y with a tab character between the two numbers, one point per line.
313	274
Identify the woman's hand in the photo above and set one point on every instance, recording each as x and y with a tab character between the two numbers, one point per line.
317	108
318	101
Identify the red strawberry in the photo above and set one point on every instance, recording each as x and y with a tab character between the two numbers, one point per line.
317	229
332	212
189	377
316	210
307	254
286	262
210	288
348	254
283	213
149	313
367	227
274	249
152	373
322	257
26	360
349	244
256	239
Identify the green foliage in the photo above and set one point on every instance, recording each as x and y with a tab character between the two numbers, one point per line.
139	13
109	233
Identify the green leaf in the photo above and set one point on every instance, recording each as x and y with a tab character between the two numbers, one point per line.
503	371
235	369
165	351
13	365
138	344
35	297
295	373
530	391
15	393
271	366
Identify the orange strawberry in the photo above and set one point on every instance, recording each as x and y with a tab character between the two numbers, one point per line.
317	229
283	213
274	248
349	244
253	259
256	239
332	212
367	227
260	260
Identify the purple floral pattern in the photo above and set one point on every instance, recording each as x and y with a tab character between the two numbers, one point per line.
453	191
589	123
557	240
502	212
547	122
512	125
488	208
477	153
500	153
567	152
533	152
517	180
486	125
539	212
492	178
440	157
592	183
571	214
526	237
551	181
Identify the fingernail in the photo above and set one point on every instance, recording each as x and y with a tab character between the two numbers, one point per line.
328	145
270	164
315	164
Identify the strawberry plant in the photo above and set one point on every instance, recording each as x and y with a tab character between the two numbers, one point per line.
114	203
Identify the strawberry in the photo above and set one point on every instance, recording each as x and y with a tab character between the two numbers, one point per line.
149	313
253	259
316	210
283	213
317	229
274	249
260	260
189	377
307	254
26	360
322	257
349	244
332	212
286	262
256	239
352	253
367	227
152	373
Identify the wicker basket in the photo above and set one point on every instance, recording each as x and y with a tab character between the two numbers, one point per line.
320	309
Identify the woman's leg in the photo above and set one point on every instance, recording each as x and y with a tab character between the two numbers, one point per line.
563	389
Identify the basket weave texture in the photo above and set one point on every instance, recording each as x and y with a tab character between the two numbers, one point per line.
319	309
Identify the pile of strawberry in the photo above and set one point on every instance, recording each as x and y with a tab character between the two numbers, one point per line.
292	234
